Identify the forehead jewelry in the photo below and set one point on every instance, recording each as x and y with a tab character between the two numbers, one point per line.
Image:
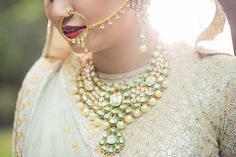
140	7
102	24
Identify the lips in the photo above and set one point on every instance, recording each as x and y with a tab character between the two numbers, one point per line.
73	31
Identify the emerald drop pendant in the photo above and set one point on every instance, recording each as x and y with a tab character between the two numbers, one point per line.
112	142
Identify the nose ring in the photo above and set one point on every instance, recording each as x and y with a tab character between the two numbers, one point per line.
69	12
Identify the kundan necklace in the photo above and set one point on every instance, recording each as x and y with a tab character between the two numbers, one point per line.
119	103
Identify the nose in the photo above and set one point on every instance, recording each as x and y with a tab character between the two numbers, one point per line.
61	8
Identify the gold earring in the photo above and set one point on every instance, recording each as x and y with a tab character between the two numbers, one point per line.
140	7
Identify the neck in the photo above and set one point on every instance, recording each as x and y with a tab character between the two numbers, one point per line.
124	56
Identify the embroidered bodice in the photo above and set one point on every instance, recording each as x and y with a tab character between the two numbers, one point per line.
196	116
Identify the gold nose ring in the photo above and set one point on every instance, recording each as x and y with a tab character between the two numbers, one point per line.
69	12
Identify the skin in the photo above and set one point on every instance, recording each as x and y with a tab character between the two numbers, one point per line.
115	49
229	7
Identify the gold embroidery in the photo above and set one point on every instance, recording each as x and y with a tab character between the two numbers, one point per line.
74	145
30	90
19	152
21	120
19	134
37	79
26	104
67	129
26	96
216	26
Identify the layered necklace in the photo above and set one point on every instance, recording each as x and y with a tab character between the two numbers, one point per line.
116	105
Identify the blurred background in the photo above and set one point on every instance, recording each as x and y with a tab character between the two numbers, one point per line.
22	34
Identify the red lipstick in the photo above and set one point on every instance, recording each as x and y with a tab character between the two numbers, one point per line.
73	31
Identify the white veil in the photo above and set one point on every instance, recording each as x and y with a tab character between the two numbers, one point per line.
216	38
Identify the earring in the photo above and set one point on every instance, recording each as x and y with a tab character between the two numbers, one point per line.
141	15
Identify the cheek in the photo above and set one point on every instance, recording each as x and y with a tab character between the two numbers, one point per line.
93	12
100	39
96	10
47	8
48	12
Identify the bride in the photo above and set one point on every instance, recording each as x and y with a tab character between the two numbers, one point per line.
107	84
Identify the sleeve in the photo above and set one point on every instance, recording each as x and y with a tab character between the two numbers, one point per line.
227	137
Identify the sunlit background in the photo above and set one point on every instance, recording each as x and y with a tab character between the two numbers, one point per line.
181	20
23	30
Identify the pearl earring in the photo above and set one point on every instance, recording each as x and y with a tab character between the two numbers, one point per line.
141	15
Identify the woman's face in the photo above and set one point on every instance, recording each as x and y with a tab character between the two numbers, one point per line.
93	11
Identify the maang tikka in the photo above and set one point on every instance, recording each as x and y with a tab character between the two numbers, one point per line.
140	7
102	24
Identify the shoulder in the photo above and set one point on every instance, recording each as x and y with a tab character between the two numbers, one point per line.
42	66
222	66
221	60
220	70
227	68
32	85
186	51
214	64
36	76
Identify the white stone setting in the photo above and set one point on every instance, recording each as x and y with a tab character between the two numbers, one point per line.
116	99
111	139
150	80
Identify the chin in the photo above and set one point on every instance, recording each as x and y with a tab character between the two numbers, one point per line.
97	44
76	48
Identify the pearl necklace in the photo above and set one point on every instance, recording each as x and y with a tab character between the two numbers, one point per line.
119	103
